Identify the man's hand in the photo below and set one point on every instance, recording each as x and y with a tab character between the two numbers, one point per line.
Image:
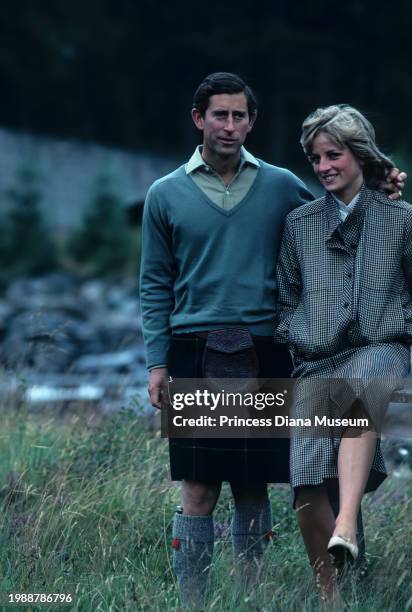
158	378
394	183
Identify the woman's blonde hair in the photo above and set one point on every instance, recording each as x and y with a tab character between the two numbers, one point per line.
348	127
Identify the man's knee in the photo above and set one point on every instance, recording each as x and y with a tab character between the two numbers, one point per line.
247	494
199	498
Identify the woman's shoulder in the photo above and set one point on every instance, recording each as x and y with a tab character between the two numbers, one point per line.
313	207
382	199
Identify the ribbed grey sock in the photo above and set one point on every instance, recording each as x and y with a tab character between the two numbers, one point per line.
193	538
251	533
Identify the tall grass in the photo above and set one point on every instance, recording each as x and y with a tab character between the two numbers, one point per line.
86	508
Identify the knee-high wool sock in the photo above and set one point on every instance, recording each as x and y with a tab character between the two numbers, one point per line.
193	538
251	533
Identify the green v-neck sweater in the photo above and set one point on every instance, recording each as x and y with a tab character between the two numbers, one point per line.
206	268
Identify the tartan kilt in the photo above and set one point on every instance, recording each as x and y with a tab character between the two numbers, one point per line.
223	459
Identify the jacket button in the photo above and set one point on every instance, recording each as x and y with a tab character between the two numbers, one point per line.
346	305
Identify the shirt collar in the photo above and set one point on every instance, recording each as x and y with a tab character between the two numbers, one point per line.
355	221
197	161
346	209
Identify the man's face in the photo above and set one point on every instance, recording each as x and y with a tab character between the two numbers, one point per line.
225	125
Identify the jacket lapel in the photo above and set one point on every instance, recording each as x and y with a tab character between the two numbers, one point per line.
346	234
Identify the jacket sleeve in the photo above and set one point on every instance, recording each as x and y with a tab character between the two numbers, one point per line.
289	283
407	270
157	275
407	253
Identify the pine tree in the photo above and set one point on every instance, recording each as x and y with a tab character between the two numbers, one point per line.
104	243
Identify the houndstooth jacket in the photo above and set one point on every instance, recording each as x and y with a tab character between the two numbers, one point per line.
345	284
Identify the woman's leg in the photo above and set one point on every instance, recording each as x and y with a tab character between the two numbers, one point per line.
317	523
355	457
354	463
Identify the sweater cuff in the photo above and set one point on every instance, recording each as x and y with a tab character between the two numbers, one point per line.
156	359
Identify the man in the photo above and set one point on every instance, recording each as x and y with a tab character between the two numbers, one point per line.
211	233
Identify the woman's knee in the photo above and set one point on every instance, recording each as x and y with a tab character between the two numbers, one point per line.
310	497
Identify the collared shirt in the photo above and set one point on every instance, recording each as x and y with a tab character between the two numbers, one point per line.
208	180
346	209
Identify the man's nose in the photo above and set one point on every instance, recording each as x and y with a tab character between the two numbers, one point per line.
229	125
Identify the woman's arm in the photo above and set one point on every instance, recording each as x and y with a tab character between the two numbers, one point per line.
407	253
407	270
289	283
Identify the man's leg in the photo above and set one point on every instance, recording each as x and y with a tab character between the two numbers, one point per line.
193	538
251	530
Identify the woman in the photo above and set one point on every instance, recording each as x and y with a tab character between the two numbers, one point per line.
345	278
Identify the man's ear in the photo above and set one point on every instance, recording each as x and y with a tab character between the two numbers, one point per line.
197	118
252	120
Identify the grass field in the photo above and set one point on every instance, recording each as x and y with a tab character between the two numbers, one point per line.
86	508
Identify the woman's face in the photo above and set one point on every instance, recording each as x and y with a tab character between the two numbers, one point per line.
336	167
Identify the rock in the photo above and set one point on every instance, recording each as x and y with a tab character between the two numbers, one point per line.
92	292
398	420
42	394
42	340
6	311
36	290
67	342
120	361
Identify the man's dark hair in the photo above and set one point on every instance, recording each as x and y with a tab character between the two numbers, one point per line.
222	83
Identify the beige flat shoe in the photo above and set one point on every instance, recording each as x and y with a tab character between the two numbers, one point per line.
342	550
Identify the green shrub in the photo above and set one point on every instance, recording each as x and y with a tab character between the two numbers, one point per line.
25	244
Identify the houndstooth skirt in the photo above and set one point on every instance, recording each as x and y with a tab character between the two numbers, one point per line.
367	374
